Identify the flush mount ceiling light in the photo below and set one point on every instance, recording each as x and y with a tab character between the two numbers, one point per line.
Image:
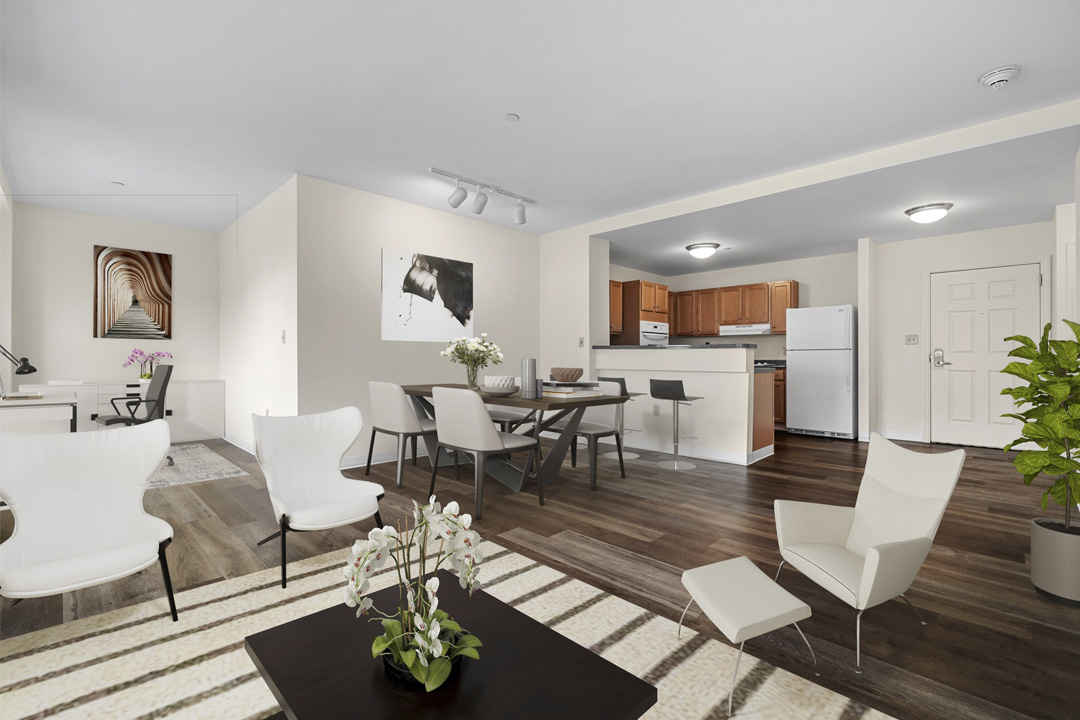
458	196
482	195
928	213
116	182
1000	77
512	117
703	250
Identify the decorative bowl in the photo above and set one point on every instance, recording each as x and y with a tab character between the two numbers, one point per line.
566	374
497	381
498	391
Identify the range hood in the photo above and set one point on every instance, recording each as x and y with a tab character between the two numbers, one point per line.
758	329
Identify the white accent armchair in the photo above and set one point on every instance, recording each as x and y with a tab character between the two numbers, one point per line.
79	518
300	457
872	552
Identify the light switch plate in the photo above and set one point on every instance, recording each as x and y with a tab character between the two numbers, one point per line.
911	339
581	341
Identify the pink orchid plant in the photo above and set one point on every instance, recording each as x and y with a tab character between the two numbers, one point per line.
420	636
146	361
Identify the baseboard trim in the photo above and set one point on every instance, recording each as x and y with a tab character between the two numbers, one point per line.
242	444
759	454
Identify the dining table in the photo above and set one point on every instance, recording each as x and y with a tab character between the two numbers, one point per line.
543	413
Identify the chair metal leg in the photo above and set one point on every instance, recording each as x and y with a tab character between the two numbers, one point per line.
165	575
812	655
481	468
414	450
284	529
268	538
669	464
573	452
169	458
681	617
527	470
618	444
858	643
378	518
402	442
370	450
435	469
592	462
778	570
915	609
734	677
457	465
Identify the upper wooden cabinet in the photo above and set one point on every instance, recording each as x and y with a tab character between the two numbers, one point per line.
744	304
615	307
682	314
653	297
782	295
696	312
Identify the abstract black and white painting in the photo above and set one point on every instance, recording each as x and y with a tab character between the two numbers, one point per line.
132	294
425	298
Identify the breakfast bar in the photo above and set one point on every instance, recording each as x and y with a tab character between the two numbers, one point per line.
733	420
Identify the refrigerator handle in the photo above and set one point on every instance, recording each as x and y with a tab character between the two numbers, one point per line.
847	373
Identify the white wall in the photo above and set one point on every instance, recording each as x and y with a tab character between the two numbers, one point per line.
342	232
901	297
6	275
625	274
566	281
257	262
54	291
1066	271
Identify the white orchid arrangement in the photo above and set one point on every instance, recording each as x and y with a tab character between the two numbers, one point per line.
474	353
420	636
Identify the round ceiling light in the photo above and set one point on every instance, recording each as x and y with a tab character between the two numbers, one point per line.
928	213
116	182
703	250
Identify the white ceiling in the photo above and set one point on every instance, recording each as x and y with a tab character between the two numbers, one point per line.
1009	183
623	105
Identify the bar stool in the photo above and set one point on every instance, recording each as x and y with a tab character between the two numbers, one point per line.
673	390
622	416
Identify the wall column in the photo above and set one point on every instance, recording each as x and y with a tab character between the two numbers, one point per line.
867	391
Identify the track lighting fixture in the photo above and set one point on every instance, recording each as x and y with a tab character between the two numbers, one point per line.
479	202
483	190
458	196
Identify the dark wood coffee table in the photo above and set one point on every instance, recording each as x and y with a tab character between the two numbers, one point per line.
319	667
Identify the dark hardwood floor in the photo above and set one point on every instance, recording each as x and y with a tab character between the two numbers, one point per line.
993	647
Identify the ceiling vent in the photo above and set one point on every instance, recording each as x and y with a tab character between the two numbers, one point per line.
1000	77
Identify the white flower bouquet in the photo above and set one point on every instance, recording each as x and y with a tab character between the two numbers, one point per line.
420	637
473	353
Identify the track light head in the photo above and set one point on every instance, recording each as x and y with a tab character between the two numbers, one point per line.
458	196
519	213
479	202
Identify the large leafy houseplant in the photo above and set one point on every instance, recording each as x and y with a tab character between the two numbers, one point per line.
1048	405
420	636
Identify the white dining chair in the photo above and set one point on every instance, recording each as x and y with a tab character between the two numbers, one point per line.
392	414
872	552
77	499
597	422
465	426
300	457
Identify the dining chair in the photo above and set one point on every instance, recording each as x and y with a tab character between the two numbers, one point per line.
300	457
872	552
597	422
392	414
465	426
77	499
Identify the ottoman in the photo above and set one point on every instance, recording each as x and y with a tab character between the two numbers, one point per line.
742	602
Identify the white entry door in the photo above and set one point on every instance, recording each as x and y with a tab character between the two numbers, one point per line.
971	314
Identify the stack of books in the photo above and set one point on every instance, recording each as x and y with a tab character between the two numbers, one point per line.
568	390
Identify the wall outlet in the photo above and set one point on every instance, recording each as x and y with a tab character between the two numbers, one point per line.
581	342
656	409
911	339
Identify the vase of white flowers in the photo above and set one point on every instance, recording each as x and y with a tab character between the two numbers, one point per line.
474	354
421	644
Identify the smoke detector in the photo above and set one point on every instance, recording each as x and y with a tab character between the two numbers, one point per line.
1000	77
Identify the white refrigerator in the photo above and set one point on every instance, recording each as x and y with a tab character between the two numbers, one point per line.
822	385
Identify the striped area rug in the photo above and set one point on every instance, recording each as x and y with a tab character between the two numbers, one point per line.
136	663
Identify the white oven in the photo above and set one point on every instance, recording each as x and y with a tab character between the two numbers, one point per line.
653	333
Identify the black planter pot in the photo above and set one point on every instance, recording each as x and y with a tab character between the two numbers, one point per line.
400	676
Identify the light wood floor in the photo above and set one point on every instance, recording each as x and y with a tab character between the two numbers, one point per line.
993	647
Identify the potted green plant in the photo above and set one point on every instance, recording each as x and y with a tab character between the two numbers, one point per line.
1048	404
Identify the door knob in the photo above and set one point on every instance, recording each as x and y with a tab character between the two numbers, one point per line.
939	358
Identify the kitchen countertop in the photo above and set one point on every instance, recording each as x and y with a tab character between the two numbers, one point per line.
764	369
771	363
728	346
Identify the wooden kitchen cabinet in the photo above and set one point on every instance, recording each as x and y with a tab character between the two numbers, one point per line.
707	312
682	311
779	397
744	304
782	295
653	297
731	308
615	307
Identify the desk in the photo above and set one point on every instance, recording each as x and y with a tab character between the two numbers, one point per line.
319	668
39	415
499	467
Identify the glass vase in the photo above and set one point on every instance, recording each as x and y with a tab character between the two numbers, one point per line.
470	376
